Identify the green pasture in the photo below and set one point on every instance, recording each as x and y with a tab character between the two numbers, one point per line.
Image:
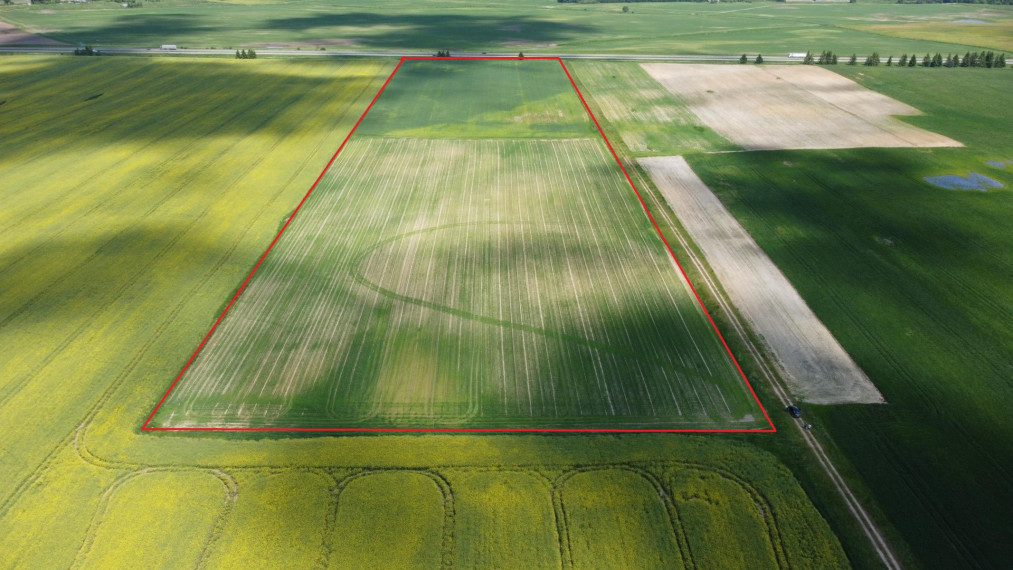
479	99
130	217
914	280
526	25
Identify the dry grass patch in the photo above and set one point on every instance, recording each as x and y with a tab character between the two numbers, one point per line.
12	36
815	365
792	107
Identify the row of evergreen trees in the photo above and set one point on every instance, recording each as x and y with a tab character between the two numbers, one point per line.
443	53
986	59
825	58
246	54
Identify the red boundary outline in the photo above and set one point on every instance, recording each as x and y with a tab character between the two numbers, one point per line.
772	429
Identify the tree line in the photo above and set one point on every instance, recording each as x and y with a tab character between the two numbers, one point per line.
246	54
985	59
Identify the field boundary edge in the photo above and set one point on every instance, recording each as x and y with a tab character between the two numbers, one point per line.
146	427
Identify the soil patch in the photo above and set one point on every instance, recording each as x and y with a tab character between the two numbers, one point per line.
815	366
11	36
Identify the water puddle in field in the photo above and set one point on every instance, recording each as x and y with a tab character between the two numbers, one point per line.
995	163
973	181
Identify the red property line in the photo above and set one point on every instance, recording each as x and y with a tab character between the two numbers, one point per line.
145	426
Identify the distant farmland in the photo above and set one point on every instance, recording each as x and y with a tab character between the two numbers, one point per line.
474	258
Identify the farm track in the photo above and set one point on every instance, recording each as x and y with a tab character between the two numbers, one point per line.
855	507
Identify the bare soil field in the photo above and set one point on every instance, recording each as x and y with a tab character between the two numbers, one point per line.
816	367
792	107
11	36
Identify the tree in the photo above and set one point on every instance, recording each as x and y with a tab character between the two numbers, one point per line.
927	60
913	61
903	60
743	59
833	59
251	54
808	58
1001	60
853	60
759	58
238	56
626	9
889	61
937	60
521	55
872	59
966	62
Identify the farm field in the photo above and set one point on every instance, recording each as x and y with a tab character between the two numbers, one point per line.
913	280
529	25
110	281
811	361
791	107
473	283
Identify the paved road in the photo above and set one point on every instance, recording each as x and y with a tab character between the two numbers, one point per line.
288	52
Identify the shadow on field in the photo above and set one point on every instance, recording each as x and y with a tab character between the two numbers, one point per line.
410	30
73	277
453	31
913	280
55	107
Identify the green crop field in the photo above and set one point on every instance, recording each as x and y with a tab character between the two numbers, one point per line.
476	236
914	280
498	282
528	25
130	217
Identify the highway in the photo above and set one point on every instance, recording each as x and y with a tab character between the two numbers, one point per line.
289	52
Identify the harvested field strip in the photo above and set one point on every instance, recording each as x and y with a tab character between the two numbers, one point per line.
505	299
816	367
791	107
